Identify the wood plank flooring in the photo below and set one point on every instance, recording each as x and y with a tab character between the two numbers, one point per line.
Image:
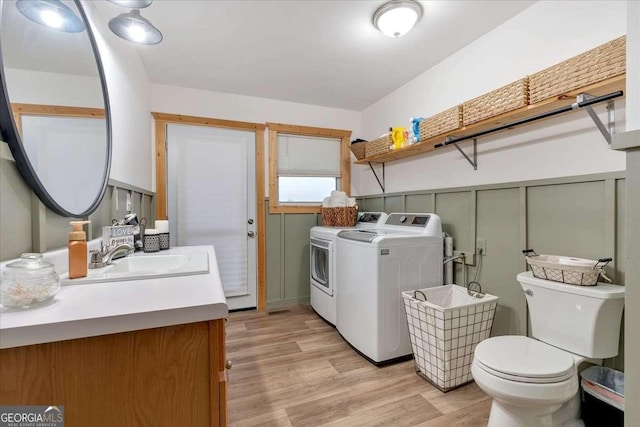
290	368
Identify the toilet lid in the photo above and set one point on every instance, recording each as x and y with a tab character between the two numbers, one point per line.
524	359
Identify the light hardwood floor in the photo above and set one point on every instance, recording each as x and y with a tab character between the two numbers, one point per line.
292	369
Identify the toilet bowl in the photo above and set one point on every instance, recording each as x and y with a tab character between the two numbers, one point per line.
528	380
534	381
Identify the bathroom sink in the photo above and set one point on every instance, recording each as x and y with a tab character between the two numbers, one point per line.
146	266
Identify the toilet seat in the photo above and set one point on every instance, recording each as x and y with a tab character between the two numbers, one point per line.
525	360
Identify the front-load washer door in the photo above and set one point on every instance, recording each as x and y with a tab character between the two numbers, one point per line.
320	265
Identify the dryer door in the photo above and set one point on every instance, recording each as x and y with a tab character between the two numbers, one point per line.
320	265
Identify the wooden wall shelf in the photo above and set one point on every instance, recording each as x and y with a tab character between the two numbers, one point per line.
597	89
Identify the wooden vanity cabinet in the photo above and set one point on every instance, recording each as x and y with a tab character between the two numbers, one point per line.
168	376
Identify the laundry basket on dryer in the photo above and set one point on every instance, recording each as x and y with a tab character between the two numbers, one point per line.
445	325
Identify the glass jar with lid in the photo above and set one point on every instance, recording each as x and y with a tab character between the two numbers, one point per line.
27	282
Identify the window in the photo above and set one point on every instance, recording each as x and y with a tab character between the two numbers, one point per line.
305	165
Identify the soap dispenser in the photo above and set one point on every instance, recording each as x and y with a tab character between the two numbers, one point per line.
77	250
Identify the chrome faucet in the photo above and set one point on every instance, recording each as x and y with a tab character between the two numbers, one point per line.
103	258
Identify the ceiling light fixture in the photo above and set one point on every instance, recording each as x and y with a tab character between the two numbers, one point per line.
51	14
135	28
397	17
132	4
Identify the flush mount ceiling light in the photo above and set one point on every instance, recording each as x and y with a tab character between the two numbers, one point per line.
132	4
397	18
135	28
51	14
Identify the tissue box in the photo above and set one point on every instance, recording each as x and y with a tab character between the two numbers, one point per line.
117	235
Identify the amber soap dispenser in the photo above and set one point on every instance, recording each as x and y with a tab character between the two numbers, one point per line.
77	250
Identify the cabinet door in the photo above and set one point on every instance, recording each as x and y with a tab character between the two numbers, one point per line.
151	377
218	374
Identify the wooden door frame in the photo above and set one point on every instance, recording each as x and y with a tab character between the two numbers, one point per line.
162	120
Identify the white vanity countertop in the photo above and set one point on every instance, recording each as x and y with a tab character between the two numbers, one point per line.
87	310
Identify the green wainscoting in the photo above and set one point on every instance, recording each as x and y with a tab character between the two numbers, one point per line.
580	216
26	225
288	258
498	221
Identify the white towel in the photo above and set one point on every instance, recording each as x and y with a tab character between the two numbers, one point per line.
339	203
338	199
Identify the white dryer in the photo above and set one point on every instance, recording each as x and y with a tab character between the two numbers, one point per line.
323	262
375	267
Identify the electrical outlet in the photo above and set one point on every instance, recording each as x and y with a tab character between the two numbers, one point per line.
469	257
481	246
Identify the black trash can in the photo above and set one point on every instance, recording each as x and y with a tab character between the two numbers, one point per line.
602	397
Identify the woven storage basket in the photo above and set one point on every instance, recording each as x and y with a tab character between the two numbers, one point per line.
595	65
573	271
494	103
447	121
339	217
444	331
378	146
358	149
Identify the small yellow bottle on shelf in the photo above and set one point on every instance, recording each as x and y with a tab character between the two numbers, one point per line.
397	137
77	250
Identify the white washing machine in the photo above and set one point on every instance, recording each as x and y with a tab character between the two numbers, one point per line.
323	262
375	267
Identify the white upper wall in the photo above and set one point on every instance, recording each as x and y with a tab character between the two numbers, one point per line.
542	35
129	89
202	103
39	87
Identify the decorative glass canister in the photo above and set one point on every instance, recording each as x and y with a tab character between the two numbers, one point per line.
27	282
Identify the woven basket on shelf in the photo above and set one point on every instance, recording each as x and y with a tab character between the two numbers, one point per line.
595	65
508	98
358	149
378	146
447	121
339	217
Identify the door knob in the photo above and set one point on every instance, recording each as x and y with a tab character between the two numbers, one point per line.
251	234
229	364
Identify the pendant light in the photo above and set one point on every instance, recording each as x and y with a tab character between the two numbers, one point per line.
135	28
132	4
397	17
51	14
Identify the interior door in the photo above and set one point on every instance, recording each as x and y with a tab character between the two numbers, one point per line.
211	198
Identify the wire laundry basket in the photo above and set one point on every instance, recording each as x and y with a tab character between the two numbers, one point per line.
573	271
445	325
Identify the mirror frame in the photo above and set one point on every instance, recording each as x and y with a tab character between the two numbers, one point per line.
11	135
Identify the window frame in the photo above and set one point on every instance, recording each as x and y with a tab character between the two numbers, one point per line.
345	163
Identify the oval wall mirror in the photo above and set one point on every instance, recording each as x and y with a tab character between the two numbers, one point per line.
54	104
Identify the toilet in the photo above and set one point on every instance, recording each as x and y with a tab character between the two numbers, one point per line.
534	381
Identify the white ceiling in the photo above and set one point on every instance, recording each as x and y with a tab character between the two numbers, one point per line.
314	52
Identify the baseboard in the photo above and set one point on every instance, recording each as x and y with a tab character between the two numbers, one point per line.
287	302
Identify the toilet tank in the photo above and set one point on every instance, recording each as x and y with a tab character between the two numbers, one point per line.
583	320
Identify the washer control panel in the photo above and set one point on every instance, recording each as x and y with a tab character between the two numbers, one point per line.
369	217
409	220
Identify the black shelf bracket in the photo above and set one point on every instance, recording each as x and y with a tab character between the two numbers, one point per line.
607	133
473	162
584	101
380	183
